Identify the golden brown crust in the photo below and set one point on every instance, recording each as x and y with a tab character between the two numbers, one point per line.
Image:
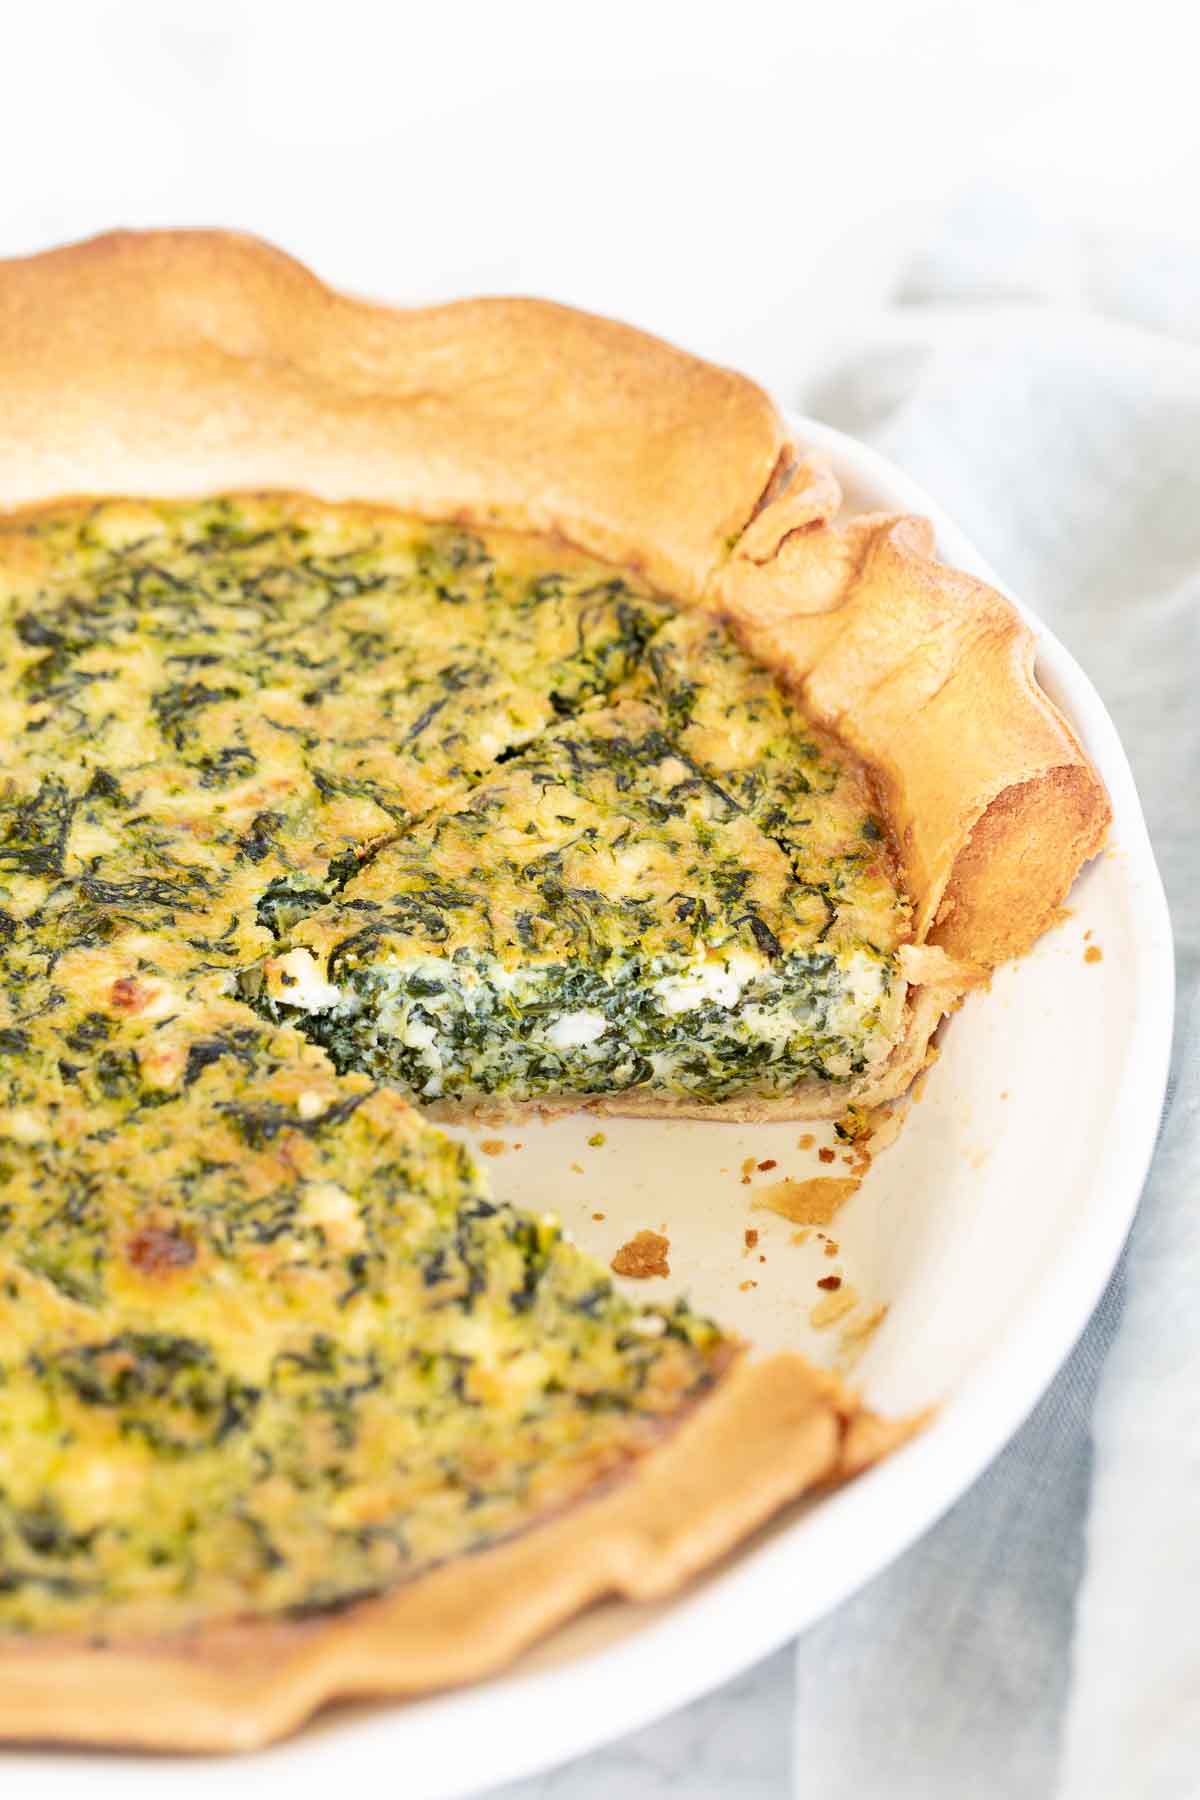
185	363
929	676
771	1431
177	364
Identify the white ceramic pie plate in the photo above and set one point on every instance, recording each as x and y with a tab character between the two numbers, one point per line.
988	1229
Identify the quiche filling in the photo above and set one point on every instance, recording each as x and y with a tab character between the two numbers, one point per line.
284	1351
304	808
603	914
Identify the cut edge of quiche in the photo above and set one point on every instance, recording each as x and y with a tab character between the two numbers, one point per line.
194	363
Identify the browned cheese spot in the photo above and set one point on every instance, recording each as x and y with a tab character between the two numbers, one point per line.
154	1250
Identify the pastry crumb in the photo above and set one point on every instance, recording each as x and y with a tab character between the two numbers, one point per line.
858	1332
577	1168
596	1140
1093	954
744	1285
811	1202
751	1237
493	1146
826	1155
855	1125
769	1164
831	1283
833	1307
854	1337
599	1217
644	1255
806	1142
801	1237
831	1246
747	1170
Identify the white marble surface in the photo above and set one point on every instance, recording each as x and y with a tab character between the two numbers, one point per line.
734	1744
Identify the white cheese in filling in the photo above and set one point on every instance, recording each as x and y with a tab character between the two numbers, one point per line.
570	1031
454	1015
295	978
718	979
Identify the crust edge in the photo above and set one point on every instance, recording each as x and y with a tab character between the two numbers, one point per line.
771	1431
929	676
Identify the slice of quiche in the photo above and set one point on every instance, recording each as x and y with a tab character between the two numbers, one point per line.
478	706
609	915
291	1353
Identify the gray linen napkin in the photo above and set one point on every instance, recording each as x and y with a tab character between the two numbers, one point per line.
1043	1641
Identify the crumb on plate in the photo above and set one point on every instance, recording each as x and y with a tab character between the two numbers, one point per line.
834	1306
644	1255
855	1125
812	1202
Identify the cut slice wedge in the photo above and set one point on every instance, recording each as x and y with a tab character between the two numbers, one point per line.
608	914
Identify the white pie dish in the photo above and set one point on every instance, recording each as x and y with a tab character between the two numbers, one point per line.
989	1228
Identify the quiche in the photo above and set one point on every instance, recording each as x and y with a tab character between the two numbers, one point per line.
453	712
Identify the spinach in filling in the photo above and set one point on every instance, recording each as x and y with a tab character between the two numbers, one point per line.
616	908
290	1352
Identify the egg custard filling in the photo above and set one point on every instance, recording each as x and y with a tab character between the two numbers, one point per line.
480	817
269	1346
609	912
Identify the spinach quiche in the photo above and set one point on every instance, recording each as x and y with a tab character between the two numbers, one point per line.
404	714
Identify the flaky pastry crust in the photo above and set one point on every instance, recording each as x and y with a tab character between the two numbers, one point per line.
181	364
